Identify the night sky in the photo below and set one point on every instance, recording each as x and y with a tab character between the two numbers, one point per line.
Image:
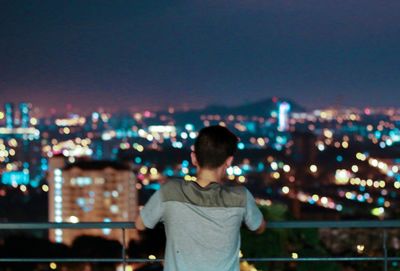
154	54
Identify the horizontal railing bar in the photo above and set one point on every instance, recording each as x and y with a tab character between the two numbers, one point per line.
66	225
65	260
271	225
324	259
141	260
334	224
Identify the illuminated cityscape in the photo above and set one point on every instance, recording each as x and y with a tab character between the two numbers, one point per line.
322	164
348	156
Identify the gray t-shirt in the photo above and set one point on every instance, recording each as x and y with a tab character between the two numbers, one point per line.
202	224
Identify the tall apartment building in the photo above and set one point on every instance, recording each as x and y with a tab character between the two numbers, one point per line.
9	112
90	191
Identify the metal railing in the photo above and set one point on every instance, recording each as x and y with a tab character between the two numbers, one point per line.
123	226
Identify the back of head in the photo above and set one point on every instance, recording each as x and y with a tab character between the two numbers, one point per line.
214	145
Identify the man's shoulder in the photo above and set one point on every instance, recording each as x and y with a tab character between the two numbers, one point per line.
171	184
233	187
171	189
234	194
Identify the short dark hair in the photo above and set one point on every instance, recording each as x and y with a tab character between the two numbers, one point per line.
214	145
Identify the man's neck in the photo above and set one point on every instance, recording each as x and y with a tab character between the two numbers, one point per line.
206	176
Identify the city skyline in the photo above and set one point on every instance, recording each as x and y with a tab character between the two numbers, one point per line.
155	55
256	105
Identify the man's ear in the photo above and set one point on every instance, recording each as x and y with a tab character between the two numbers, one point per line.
194	159
229	161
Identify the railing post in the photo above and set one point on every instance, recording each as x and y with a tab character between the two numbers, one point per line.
385	263
123	250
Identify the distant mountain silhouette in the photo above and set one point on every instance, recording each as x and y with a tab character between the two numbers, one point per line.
259	108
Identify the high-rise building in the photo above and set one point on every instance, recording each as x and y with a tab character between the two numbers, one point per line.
24	109
90	191
283	116
9	112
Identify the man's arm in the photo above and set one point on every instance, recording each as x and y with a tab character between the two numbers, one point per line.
262	227
253	217
151	213
139	224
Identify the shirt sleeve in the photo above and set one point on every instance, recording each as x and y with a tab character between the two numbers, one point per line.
252	215
153	211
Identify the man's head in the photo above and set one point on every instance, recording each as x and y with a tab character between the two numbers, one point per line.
214	147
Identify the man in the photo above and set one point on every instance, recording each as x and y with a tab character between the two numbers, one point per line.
202	219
